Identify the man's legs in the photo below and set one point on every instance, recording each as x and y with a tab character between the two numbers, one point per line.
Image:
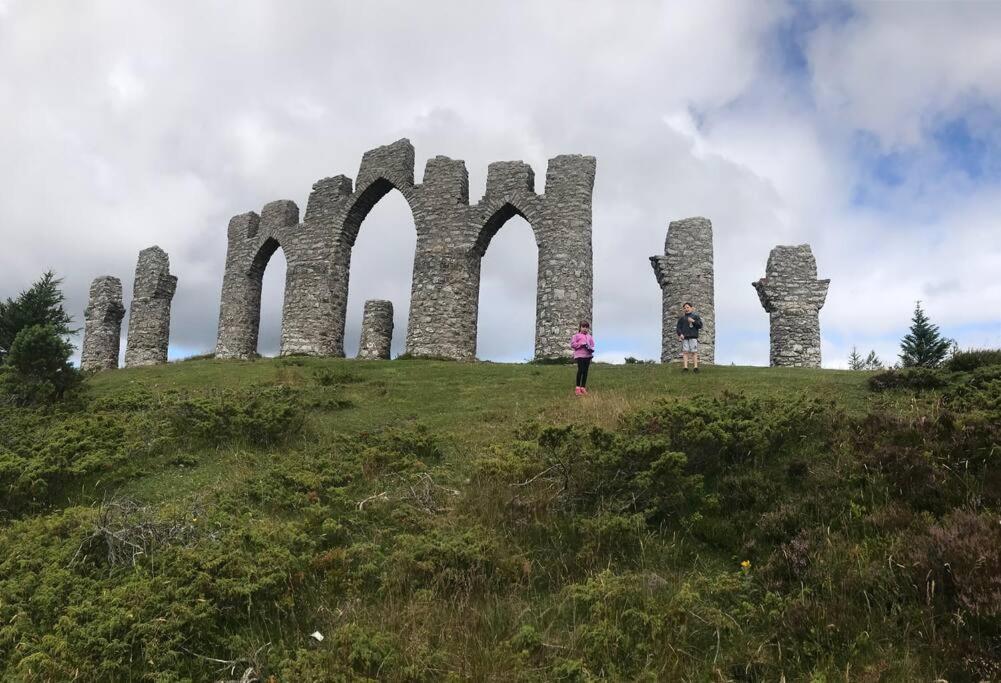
695	359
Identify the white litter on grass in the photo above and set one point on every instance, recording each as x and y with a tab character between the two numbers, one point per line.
317	636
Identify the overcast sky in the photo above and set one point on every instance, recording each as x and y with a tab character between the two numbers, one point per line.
870	130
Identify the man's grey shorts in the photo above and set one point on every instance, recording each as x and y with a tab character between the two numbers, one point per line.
689	345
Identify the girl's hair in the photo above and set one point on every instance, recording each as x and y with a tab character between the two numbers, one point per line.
583	323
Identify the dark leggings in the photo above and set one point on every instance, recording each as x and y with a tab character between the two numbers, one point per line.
582	365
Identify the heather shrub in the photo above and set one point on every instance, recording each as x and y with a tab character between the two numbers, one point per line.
958	561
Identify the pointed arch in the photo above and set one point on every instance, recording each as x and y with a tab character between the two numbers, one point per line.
500	212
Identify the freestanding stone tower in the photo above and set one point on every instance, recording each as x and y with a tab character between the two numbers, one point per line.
685	273
793	297
103	325
376	330
452	238
149	314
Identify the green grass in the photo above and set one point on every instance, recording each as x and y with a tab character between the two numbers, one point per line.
448	521
483	402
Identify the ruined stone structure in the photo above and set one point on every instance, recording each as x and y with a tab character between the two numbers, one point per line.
793	297
376	330
149	314
452	238
685	273
103	325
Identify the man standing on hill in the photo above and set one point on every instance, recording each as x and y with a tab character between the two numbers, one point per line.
689	325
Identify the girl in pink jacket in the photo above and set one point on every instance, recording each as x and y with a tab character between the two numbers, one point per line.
583	350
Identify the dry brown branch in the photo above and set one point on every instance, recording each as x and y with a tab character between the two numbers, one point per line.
126	532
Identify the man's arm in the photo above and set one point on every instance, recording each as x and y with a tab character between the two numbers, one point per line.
697	321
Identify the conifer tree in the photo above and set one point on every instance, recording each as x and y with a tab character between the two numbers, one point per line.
923	346
855	360
872	362
41	304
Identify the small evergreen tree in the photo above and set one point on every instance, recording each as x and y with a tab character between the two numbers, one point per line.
38	368
41	304
923	346
855	360
872	362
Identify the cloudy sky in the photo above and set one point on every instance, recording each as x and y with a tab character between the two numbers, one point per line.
870	130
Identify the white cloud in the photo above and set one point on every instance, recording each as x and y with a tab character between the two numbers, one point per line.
154	123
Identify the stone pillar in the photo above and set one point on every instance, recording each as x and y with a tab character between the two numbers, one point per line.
103	325
685	273
564	295
376	330
446	276
149	315
793	297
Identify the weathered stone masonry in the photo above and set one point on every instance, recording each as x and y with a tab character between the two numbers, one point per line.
149	314
376	330
793	297
685	273
452	238
103	325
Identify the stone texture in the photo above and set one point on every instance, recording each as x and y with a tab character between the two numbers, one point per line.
149	314
102	325
452	238
685	273
376	330
793	297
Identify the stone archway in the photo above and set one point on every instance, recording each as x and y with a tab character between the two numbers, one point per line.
252	240
452	237
561	222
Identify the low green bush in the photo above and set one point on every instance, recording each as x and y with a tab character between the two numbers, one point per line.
264	418
914	379
971	359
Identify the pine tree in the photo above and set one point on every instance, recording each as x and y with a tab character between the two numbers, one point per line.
855	360
923	346
872	362
41	304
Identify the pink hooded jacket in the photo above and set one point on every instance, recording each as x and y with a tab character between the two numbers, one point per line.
582	345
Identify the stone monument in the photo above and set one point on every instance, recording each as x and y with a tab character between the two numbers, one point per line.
793	297
103	325
376	330
452	238
149	314
685	273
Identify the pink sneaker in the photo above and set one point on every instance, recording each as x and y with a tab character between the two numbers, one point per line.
583	390
578	391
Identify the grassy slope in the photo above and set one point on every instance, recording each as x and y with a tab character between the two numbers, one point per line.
471	406
493	584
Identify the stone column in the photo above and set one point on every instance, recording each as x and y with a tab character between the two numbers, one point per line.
446	276
149	315
685	273
793	297
564	295
103	325
376	330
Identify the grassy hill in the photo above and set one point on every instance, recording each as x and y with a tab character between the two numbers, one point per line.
442	521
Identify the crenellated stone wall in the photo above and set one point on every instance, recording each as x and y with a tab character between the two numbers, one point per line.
376	330
793	297
685	273
149	314
102	325
452	238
